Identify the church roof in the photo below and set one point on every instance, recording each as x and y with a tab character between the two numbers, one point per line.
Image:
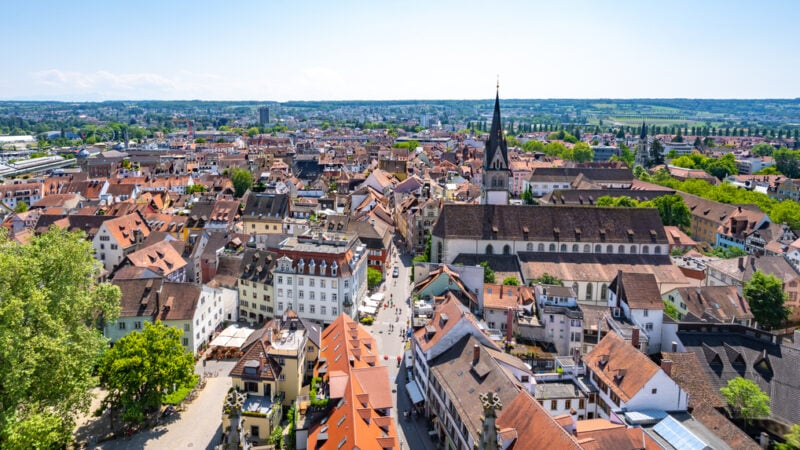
496	139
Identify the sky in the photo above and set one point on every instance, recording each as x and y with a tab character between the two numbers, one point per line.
385	50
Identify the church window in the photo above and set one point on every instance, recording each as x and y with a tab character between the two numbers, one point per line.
552	247
529	247
489	249
657	250
541	247
621	249
506	249
633	249
589	291
645	249
563	248
603	291
587	248
574	248
610	249
598	248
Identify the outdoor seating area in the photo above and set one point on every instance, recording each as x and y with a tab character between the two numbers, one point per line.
228	343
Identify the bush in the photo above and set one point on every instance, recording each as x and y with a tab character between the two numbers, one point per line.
174	398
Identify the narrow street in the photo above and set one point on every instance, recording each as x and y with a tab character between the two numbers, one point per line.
388	329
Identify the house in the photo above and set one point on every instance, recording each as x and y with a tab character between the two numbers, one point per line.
223	216
349	376
264	213
727	351
13	194
464	282
712	304
182	306
678	240
138	304
161	258
708	216
256	296
737	271
560	318
118	237
738	229
544	180
320	275
627	380
450	322
375	234
636	297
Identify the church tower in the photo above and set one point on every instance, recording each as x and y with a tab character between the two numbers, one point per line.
642	154
496	174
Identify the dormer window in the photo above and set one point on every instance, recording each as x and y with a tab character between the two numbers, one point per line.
334	268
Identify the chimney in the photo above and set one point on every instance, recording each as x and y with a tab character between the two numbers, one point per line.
666	366
635	337
741	263
476	354
674	347
509	323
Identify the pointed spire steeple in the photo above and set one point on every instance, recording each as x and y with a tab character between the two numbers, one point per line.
496	138
643	134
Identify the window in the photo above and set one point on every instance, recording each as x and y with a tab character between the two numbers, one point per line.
645	249
621	249
280	280
282	377
646	312
489	249
657	250
122	325
598	248
529	247
102	246
587	248
506	249
186	327
254	431
346	284
105	238
553	405
335	311
333	298
288	280
567	404
322	296
563	248
654	391
574	248
540	247
313	309
633	249
302	307
311	282
648	326
280	306
581	403
610	248
603	291
300	294
588	291
552	247
311	295
114	246
323	284
323	310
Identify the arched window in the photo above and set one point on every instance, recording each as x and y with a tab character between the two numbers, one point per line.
552	247
589	291
574	248
489	249
603	291
541	247
587	248
633	249
506	249
563	248
645	249
575	288
439	251
657	251
529	247
621	249
610	248
598	248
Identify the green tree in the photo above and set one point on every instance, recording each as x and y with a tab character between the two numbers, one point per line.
764	294
374	277
527	196
533	146
276	438
627	155
721	167
195	188
581	152
788	162
200	140
21	207
488	273
671	310
510	281
616	202
684	161
555	149
770	170
50	309
746	399
656	156
141	368
762	149
546	278
672	209
792	439
252	131
242	181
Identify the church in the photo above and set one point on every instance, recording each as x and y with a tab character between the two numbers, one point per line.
496	172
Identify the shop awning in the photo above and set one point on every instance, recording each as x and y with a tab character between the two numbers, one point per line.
366	309
414	392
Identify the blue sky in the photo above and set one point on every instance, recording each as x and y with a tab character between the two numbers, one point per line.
340	50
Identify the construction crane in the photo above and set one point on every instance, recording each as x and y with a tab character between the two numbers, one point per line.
189	123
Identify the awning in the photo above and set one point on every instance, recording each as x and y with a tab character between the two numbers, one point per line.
366	309
413	392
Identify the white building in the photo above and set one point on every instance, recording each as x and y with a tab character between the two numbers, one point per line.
320	275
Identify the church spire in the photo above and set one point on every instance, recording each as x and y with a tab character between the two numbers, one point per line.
643	134
496	139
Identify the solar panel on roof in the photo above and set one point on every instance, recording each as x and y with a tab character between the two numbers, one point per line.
678	436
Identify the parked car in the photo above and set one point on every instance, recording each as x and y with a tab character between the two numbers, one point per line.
396	272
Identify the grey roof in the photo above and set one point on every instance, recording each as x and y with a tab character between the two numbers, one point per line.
590	196
725	355
266	205
550	223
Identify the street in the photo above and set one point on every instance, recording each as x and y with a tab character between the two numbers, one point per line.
412	431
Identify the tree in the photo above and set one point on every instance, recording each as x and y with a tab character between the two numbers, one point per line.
581	152
527	196
762	149
656	156
242	181
510	281
746	399
546	278
792	439
50	313
533	146
764	294
488	273
672	209
627	155
21	207
616	202
788	162
200	140
195	188
374	277
252	131
671	310
141	368
721	167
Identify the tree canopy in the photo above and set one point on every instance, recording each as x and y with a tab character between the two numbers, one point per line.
671	208
746	399
546	278
764	294
510	281
488	273
51	308
242	180
141	368
374	277
718	167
